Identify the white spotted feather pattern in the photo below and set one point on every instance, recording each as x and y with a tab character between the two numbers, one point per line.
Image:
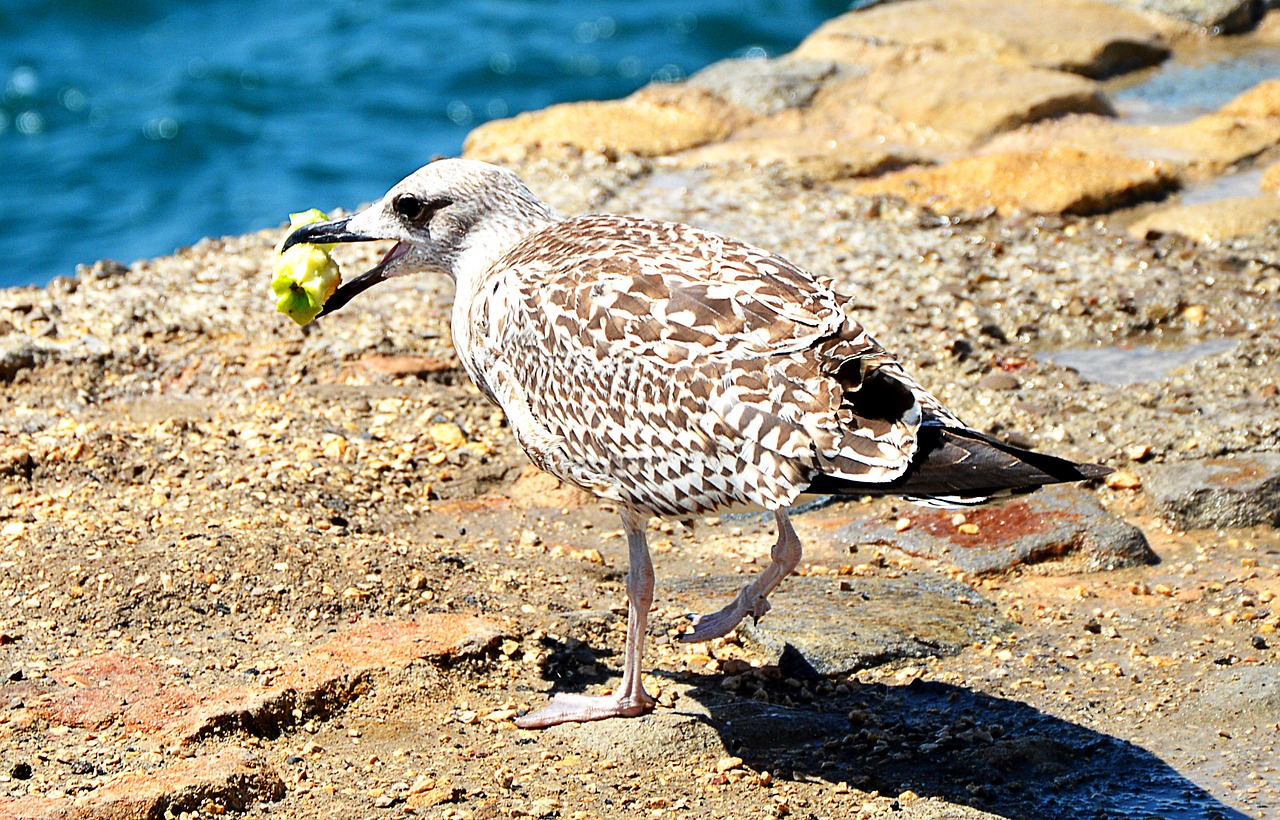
678	371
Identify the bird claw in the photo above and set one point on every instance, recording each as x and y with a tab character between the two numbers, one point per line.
719	624
582	708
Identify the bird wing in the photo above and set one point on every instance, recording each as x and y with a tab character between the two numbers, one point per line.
697	342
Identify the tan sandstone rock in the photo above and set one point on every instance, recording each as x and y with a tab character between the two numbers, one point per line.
1271	179
1212	221
656	120
820	155
1086	37
971	98
1058	180
1199	148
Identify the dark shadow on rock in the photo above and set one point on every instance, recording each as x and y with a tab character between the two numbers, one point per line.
572	665
995	755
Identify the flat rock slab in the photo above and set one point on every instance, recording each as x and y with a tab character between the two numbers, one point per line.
1202	147
1080	36
136	694
1060	179
1240	696
842	624
1053	523
702	724
972	97
1218	16
1215	221
680	733
767	86
1218	492
657	120
232	779
814	155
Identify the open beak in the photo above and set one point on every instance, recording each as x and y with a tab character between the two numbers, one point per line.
338	230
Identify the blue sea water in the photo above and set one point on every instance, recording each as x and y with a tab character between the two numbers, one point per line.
131	127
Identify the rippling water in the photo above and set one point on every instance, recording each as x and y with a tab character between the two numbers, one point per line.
129	128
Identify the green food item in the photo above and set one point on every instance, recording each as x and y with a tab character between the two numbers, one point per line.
306	276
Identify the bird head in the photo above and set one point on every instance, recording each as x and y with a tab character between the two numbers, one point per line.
453	216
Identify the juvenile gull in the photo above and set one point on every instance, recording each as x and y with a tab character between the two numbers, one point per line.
672	371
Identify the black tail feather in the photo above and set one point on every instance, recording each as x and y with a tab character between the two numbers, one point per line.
959	462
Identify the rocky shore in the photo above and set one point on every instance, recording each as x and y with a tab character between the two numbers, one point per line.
256	571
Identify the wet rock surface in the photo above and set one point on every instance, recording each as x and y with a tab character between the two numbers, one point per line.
221	539
1064	526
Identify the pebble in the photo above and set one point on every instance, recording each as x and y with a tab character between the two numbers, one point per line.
447	436
1123	480
999	380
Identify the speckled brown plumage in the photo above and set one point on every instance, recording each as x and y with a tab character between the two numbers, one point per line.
673	371
678	371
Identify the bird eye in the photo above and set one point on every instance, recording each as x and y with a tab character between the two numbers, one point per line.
418	211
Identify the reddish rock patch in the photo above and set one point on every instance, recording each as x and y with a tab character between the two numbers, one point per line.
407	365
995	524
137	694
229	780
1053	523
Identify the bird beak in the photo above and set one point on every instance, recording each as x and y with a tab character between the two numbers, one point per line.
339	230
324	233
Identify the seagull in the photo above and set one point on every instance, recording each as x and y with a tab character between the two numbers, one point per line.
673	372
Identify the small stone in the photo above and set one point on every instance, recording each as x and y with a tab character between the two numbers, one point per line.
447	436
1138	452
501	715
725	764
434	796
1123	480
998	380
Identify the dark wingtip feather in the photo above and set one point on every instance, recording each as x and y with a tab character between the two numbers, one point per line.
1091	471
959	462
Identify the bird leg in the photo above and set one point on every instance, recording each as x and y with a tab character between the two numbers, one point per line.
753	599
629	699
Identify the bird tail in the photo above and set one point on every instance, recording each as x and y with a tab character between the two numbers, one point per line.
960	467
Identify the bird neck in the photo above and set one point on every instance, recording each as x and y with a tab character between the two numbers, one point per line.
474	263
492	236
